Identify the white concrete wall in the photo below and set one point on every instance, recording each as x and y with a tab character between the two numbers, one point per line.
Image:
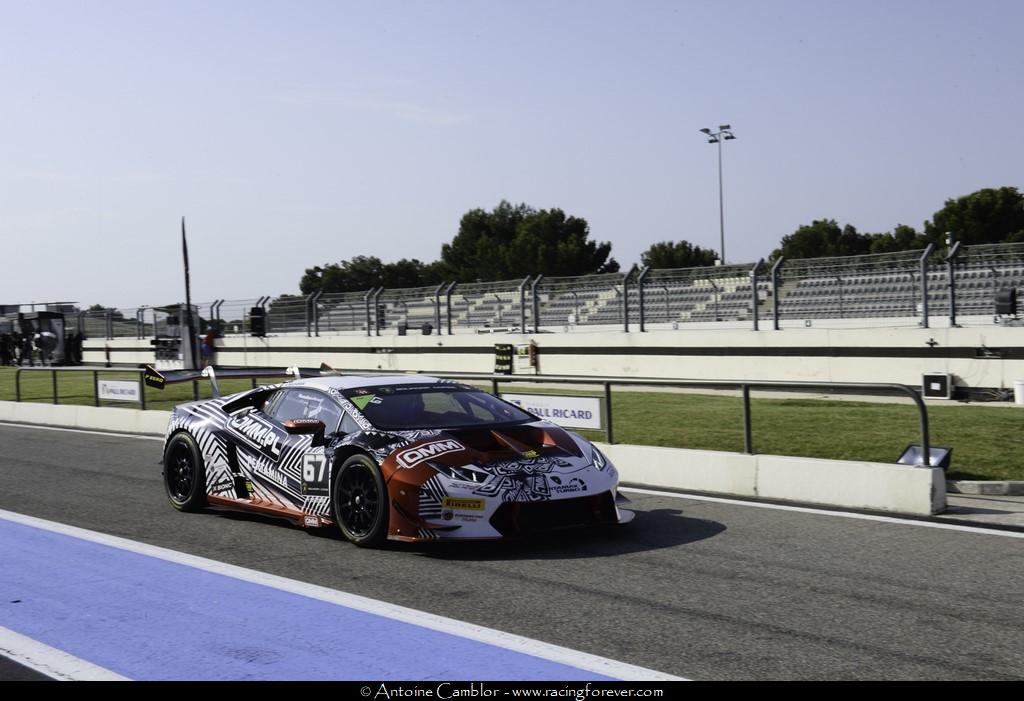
627	358
847	484
86	417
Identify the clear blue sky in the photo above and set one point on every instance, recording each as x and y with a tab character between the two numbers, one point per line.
294	134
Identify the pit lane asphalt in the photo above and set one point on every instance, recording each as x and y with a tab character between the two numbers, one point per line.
699	589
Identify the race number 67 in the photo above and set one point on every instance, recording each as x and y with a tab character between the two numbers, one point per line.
314	468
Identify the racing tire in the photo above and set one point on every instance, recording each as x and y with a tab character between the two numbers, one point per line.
184	473
359	500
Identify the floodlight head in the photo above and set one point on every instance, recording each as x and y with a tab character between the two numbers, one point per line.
725	126
705	130
729	137
712	140
938	456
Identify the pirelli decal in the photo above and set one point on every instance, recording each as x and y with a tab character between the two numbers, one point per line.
411	457
457	504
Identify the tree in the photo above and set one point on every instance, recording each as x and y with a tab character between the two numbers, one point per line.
515	241
902	238
823	238
991	215
681	254
114	313
364	272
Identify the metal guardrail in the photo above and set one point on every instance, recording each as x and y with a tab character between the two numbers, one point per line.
890	389
55	396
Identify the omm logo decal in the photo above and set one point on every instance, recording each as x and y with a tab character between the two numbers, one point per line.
414	456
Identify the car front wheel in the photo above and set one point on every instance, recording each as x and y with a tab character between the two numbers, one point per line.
360	501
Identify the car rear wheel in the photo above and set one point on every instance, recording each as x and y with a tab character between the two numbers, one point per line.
360	501
184	473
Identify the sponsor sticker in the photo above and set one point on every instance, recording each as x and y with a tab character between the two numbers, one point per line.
412	457
459	504
311	521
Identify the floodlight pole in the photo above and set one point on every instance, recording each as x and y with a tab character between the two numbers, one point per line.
724	133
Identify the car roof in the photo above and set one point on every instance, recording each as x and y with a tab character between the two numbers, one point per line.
343	382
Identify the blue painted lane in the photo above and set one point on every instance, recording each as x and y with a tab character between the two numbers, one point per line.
147	618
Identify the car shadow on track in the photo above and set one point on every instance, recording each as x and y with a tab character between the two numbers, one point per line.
651	530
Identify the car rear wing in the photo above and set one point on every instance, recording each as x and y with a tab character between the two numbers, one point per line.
160	379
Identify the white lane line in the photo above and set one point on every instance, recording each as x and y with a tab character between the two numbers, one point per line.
80	430
509	641
51	661
826	512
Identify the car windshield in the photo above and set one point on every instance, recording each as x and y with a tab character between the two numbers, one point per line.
401	407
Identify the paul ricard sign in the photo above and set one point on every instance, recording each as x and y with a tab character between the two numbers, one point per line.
570	412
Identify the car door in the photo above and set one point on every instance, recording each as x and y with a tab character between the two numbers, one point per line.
300	465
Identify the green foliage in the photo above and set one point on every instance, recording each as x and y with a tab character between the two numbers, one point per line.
681	254
516	241
823	238
364	272
991	215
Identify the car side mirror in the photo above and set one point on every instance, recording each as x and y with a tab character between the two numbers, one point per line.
304	427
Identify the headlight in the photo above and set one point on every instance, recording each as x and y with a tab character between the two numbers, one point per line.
598	458
465	473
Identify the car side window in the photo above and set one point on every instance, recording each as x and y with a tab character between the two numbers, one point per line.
348	424
305	404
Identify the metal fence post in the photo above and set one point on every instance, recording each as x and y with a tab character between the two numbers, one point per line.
625	300
17	385
748	435
376	310
366	299
437	306
309	299
924	284
96	387
951	267
448	307
522	304
54	373
535	302
316	312
609	435
640	279
776	274
753	290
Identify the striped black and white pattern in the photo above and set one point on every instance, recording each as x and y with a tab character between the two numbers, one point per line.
431	500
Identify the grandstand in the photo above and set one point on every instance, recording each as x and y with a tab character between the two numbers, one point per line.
901	289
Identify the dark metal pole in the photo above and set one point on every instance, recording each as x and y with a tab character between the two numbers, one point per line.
437	306
776	274
609	435
376	310
316	314
522	304
448	307
309	299
366	298
625	300
17	385
748	435
535	302
753	290
951	266
924	284
96	387
190	326
640	279
54	373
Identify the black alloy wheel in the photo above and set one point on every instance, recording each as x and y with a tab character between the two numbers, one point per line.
360	501
184	474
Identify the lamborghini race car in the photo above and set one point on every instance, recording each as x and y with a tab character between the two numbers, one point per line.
410	458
